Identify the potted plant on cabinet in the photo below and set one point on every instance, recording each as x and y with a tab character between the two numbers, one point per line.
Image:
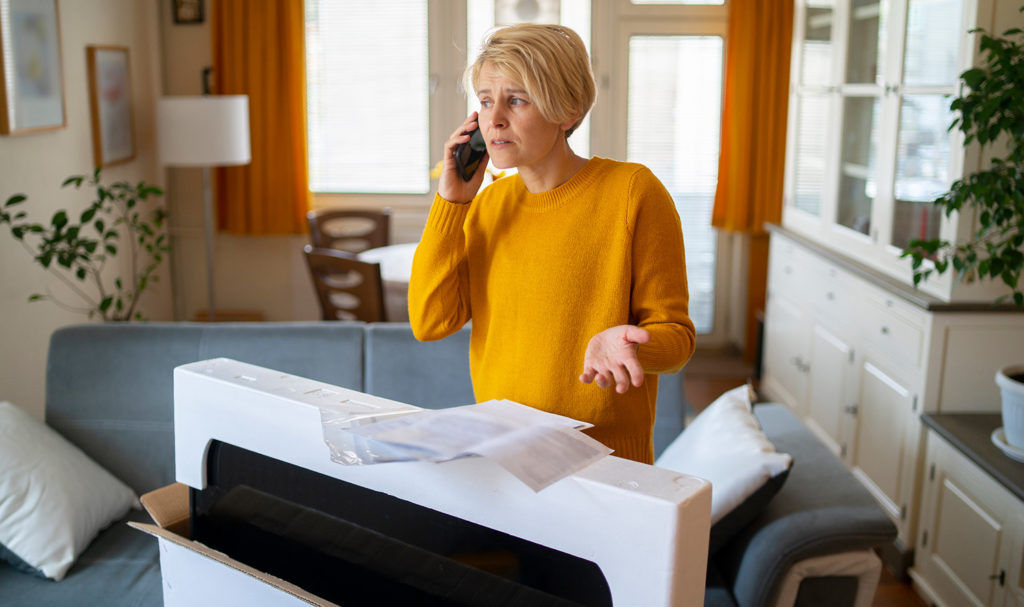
990	110
77	252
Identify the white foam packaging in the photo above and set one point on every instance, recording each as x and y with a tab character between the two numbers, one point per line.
646	528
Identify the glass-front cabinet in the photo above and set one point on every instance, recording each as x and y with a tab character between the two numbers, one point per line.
869	140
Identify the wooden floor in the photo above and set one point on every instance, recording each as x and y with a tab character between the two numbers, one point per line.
708	375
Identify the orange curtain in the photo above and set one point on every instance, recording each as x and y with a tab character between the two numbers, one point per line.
259	50
752	158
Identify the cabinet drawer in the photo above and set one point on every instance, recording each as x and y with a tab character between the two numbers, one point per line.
789	264
830	290
894	336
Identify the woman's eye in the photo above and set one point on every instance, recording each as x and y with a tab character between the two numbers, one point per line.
516	101
485	103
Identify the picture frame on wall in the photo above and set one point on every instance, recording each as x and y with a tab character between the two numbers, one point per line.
187	11
110	99
31	70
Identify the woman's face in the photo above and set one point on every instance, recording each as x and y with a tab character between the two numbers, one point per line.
514	130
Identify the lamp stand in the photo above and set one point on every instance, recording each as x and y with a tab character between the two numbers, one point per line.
208	220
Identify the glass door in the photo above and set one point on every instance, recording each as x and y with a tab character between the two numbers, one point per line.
863	91
923	153
676	135
660	98
813	67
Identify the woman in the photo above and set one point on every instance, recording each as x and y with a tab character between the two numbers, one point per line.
572	270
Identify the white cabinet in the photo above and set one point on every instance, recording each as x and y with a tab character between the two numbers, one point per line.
868	146
849	344
970	548
859	357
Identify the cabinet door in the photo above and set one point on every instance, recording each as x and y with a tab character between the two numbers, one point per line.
828	399
785	352
963	554
883	407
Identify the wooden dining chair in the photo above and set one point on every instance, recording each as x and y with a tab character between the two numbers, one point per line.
351	230
347	288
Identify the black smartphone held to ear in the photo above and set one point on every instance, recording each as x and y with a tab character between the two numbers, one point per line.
468	155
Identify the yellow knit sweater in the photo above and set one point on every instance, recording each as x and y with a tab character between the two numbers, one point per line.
540	274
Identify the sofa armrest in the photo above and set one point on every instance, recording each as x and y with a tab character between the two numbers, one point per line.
821	510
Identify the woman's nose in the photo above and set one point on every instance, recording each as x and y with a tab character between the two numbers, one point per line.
498	118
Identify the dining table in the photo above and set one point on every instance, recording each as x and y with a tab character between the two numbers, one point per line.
395	268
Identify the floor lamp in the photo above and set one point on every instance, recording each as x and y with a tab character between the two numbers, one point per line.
204	131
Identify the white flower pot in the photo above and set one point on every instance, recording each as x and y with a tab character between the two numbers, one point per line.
1012	389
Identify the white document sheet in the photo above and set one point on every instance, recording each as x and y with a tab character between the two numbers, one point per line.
538	447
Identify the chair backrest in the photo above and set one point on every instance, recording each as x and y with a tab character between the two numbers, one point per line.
347	288
351	230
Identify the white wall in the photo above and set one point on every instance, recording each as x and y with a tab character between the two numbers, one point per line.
36	164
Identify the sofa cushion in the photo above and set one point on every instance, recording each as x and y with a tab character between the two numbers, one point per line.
120	568
53	498
725	445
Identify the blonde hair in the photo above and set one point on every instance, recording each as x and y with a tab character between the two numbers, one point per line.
549	61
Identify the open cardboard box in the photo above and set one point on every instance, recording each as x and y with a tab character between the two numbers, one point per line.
194	574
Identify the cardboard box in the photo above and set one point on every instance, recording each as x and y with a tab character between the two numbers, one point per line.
194	574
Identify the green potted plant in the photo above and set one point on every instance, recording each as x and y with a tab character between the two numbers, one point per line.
990	110
77	253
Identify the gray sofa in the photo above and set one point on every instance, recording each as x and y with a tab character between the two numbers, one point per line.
109	391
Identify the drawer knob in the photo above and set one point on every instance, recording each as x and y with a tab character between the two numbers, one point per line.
885	330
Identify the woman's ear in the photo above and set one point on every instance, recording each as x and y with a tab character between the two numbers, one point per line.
568	124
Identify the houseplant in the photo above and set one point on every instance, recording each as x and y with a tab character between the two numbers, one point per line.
990	110
77	253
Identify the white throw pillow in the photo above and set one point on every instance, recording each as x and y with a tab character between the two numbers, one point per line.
53	499
724	444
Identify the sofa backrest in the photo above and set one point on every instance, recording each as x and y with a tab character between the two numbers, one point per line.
109	387
432	375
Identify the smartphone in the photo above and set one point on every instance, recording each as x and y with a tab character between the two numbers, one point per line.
468	155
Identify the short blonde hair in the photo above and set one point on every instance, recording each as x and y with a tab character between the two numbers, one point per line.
549	61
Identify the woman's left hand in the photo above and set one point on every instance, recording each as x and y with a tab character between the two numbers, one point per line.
611	358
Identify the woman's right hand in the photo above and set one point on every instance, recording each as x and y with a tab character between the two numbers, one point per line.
451	187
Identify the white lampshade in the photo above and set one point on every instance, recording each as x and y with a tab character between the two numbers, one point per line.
205	130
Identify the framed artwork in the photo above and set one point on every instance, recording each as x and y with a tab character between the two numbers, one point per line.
188	11
110	98
31	78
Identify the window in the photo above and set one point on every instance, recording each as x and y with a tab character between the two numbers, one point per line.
367	95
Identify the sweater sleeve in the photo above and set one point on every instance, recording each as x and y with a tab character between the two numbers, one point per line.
659	299
439	284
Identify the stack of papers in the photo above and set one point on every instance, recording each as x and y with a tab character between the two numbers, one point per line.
539	448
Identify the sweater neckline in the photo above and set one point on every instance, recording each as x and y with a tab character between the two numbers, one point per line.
565	192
